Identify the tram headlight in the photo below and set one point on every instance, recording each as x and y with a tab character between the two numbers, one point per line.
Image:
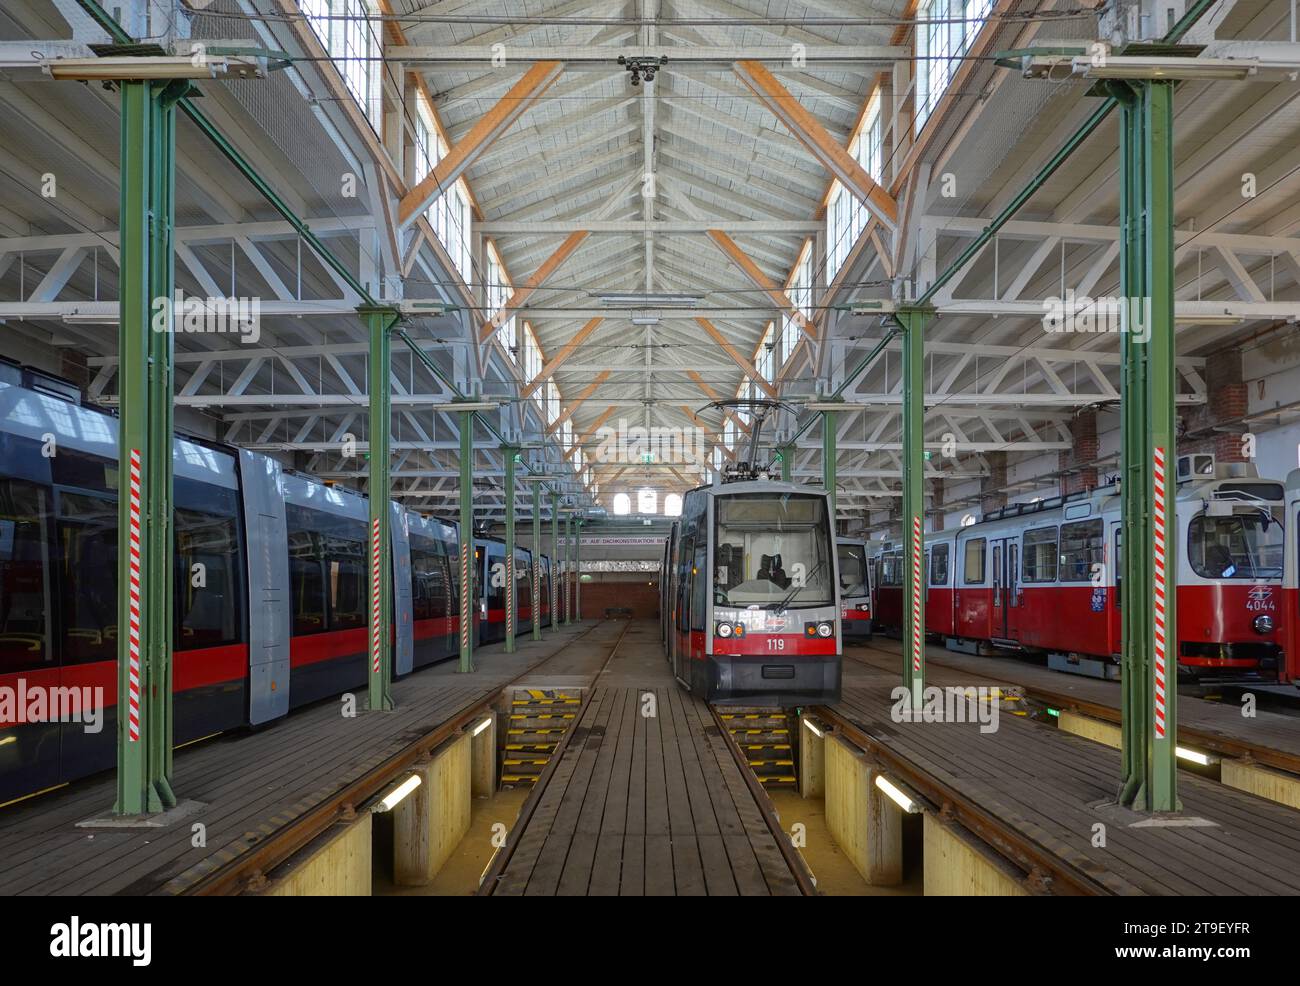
723	630
1263	623
740	630
824	629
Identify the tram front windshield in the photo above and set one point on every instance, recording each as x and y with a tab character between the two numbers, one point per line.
772	551
853	570
1245	545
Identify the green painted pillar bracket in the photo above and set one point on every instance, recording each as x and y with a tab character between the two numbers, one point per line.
468	599
145	530
787	462
511	454
577	569
379	325
536	610
912	322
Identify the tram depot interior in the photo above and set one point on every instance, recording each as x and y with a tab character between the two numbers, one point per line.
649	447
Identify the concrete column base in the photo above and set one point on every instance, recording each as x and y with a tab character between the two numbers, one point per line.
866	825
812	760
958	866
1096	730
1262	782
337	864
483	757
430	822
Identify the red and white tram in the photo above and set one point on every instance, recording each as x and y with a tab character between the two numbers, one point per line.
1042	578
751	595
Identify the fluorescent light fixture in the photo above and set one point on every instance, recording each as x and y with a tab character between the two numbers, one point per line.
896	795
645	318
1195	756
1137	67
813	729
92	318
831	406
396	795
160	67
481	726
469	406
650	299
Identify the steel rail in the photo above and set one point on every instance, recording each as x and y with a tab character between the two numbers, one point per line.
803	876
261	854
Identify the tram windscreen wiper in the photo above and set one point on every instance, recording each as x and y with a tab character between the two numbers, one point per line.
781	606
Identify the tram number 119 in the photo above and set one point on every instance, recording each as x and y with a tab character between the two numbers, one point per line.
776	643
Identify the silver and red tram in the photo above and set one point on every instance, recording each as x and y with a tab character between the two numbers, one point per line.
1042	578
855	589
278	622
751	592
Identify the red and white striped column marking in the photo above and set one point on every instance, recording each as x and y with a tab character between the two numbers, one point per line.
133	646
376	625
916	594
510	588
1158	545
466	612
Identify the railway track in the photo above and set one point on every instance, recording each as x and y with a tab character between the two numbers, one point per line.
249	869
1219	743
501	859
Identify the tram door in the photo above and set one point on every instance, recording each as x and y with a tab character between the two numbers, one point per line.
1006	589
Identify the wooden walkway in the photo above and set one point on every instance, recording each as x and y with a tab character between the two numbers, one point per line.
248	784
1053	789
645	805
1272	738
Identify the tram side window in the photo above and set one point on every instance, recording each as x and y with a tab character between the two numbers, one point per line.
939	565
973	565
686	551
1040	555
429	577
1081	548
88	577
24	541
307	582
345	572
699	583
208	609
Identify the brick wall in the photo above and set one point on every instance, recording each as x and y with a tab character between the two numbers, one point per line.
1083	431
641	596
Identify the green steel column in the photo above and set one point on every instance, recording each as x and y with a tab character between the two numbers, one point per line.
828	465
378	323
1134	666
511	453
1147	420
555	561
913	322
787	462
577	569
568	569
1159	461
145	532
468	603
537	562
